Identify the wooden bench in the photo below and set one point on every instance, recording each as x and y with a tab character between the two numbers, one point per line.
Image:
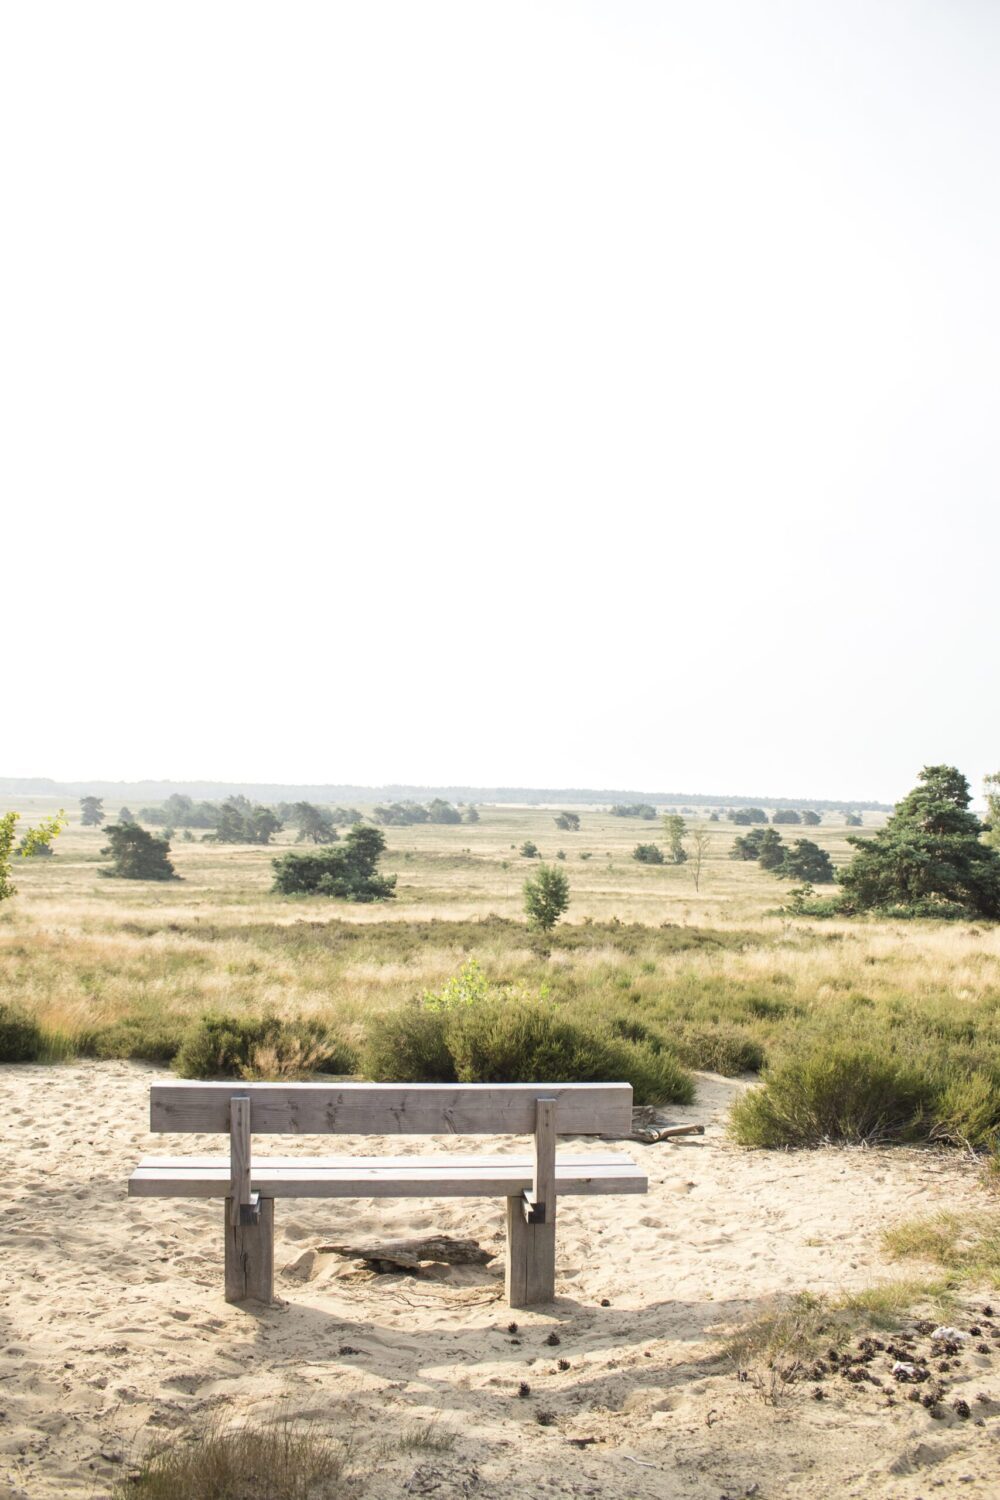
250	1184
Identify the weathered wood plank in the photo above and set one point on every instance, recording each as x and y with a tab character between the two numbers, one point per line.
543	1187
249	1269
239	1156
441	1159
393	1109
306	1181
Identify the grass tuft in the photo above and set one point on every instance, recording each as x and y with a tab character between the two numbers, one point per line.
279	1461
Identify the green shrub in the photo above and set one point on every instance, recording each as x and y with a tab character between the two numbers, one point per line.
221	1046
21	1038
409	1045
648	854
835	1092
142	1038
726	1049
967	1110
524	1042
349	872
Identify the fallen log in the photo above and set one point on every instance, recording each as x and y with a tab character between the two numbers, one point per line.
666	1133
409	1255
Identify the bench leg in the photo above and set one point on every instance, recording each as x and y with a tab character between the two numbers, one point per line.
250	1256
531	1258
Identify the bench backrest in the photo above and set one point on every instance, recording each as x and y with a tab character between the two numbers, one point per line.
393	1108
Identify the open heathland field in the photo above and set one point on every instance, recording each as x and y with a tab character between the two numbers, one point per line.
709	1372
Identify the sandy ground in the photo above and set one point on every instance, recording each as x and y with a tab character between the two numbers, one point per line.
114	1333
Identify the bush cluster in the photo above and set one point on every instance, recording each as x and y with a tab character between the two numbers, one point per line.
876	1089
482	1033
242	1046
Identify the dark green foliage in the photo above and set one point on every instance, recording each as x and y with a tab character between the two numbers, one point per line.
853	820
648	854
242	1046
633	810
771	850
835	1091
807	862
569	821
313	824
349	873
746	846
400	814
142	1038
810	818
719	1047
529	850
929	853
787	815
136	854
241	821
409	1045
439	811
21	1037
744	816
546	897
470	815
713	817
91	811
179	811
126	815
522	1042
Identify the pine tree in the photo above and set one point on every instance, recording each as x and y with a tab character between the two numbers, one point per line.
929	854
137	854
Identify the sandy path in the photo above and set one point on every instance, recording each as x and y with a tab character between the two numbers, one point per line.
114	1331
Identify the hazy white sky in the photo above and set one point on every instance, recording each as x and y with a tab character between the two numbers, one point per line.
525	393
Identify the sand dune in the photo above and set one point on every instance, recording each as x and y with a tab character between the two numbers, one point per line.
114	1332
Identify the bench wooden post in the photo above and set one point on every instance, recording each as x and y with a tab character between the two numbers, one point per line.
249	1218
250	1254
531	1221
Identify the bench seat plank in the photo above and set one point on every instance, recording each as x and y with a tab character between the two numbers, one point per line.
400	1163
362	1177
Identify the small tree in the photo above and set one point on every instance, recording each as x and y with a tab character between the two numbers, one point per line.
700	839
570	821
38	841
770	850
313	824
349	872
30	844
529	850
91	811
747	845
546	897
807	862
126	815
439	811
853	821
787	815
137	854
811	819
648	854
241	821
674	829
470	815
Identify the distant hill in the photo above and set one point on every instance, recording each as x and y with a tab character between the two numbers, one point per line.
210	791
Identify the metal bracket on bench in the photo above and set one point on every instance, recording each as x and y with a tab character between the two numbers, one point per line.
534	1213
250	1212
